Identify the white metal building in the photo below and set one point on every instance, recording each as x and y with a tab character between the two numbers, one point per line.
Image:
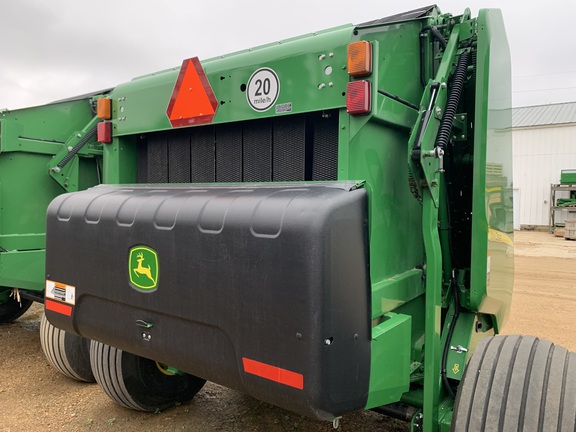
544	144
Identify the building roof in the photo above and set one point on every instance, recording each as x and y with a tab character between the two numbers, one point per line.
541	115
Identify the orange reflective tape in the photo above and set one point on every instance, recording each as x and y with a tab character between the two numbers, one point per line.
273	373
60	308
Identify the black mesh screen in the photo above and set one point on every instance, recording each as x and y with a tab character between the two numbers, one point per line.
179	158
325	153
202	154
257	151
288	148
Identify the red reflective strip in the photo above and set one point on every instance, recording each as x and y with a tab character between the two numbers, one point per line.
273	373
58	307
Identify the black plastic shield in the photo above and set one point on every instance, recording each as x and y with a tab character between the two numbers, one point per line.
261	288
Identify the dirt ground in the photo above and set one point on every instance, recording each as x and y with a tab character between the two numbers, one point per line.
35	398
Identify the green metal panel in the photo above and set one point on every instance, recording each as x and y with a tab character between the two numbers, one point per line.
460	345
568	176
311	71
29	140
377	149
492	256
23	269
24	175
391	340
393	292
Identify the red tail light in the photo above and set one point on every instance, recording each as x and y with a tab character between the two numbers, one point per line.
358	97
104	132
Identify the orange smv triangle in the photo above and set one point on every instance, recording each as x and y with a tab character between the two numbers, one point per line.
192	101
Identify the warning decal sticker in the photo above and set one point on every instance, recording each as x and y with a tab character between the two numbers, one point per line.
61	292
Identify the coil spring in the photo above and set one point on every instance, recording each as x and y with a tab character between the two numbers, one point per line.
453	99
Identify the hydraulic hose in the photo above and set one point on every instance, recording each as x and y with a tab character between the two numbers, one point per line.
456	295
438	36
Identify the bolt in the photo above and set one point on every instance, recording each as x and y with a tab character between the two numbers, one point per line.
463	136
321	86
328	342
321	56
70	148
331	54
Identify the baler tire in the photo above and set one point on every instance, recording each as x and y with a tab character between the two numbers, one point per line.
138	383
517	383
66	352
11	309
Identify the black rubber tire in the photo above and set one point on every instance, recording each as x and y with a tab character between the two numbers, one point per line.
137	383
517	383
11	310
68	353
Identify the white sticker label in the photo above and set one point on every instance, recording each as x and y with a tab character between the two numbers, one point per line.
263	89
61	292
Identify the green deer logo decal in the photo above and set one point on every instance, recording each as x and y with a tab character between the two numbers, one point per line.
143	268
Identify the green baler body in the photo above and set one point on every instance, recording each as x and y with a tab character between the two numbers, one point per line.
428	230
29	140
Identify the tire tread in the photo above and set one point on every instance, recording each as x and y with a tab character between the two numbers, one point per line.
62	350
517	383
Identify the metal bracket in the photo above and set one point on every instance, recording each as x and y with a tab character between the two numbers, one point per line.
64	166
423	167
460	127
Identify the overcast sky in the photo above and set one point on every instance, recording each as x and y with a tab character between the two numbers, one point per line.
55	49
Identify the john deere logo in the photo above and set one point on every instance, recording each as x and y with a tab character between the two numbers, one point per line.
143	267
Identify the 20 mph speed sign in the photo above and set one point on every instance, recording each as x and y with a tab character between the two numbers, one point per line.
263	89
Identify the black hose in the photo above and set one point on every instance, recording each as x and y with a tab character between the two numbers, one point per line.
456	295
443	136
437	35
398	99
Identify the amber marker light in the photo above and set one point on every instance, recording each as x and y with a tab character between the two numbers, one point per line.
360	59
104	108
